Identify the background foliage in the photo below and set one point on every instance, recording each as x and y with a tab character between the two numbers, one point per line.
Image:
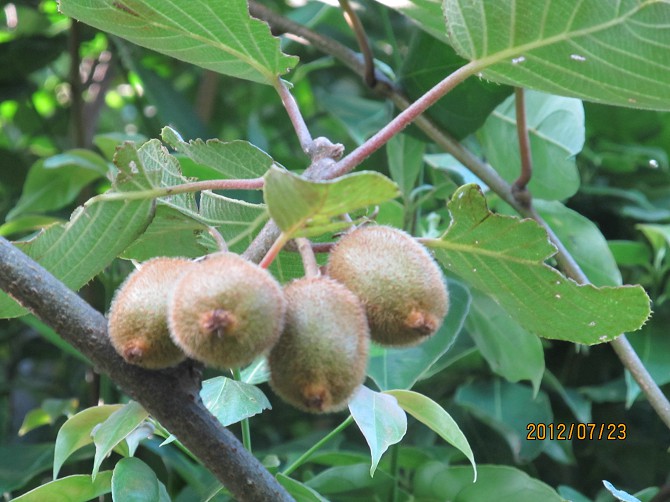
71	94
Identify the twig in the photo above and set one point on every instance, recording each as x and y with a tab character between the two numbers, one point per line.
171	396
362	39
294	114
519	187
242	184
308	259
218	238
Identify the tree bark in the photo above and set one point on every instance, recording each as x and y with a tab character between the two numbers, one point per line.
171	396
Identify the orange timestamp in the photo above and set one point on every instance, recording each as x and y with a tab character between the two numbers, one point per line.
582	431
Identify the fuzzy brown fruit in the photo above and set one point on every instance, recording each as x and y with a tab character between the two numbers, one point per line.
321	356
225	311
401	286
138	326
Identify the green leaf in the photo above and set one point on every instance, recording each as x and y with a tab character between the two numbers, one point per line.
256	373
380	419
219	35
115	429
50	411
21	462
134	481
556	131
508	408
352	478
24	224
395	368
504	257
231	401
299	491
432	415
426	13
77	488
76	432
231	160
305	208
510	350
584	241
405	157
462	110
579	49
436	481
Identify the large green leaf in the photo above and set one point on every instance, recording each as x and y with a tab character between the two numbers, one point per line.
78	250
431	414
302	207
509	349
77	488
381	420
234	159
117	427
504	257
436	481
610	52
426	13
508	408
231	401
219	35
400	368
134	481
556	131
76	432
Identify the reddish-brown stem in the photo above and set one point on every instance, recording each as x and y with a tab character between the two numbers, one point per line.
308	259
354	21
519	188
294	115
402	120
272	253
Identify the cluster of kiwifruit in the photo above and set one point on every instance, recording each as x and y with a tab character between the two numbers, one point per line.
225	311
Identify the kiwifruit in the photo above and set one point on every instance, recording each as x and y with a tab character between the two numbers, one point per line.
225	311
138	326
321	356
400	285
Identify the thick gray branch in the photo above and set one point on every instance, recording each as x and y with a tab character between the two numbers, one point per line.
171	396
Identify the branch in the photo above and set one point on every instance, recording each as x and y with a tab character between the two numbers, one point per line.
519	187
485	172
355	23
172	396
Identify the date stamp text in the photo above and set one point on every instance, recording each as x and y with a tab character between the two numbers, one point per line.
582	431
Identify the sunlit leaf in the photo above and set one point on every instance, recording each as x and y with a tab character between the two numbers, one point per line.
302	207
76	432
381	420
431	414
609	52
219	35
77	488
504	257
231	401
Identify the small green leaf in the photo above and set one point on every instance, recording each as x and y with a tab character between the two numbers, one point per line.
50	411
231	401
510	350
76	432
431	414
219	35
299	491
231	160
134	481
380	419
115	429
304	208
77	488
400	368
579	49
504	257
508	408
556	132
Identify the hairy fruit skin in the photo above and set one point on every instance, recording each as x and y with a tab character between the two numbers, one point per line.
401	286
321	356
226	311
138	326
